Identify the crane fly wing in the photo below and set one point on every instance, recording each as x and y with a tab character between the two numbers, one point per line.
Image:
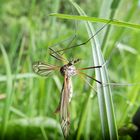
70	89
58	108
64	112
44	69
63	107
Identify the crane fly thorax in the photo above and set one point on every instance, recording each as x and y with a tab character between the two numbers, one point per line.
68	70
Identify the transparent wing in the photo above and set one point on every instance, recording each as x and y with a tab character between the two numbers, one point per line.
63	107
64	112
44	69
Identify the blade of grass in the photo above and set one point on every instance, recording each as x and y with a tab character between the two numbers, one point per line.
3	78
83	125
104	94
133	98
105	6
94	19
120	32
8	100
114	6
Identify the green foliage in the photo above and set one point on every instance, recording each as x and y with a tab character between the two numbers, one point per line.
94	19
26	32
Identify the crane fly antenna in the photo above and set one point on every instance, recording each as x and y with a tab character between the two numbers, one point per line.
81	44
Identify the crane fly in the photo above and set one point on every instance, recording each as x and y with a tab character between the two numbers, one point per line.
68	70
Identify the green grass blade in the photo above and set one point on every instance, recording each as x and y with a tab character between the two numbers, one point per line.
83	124
104	94
6	108
3	78
113	7
94	19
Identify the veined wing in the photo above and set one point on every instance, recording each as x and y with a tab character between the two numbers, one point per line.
44	69
63	107
64	112
70	89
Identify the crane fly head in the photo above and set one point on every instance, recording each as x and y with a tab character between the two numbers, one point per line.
72	62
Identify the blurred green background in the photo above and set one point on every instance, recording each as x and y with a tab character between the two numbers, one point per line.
28	101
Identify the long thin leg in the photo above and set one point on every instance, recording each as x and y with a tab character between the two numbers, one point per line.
70	42
56	55
81	44
91	77
93	67
82	77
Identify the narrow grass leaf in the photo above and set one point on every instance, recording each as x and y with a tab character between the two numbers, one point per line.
6	108
84	126
104	94
3	78
95	19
